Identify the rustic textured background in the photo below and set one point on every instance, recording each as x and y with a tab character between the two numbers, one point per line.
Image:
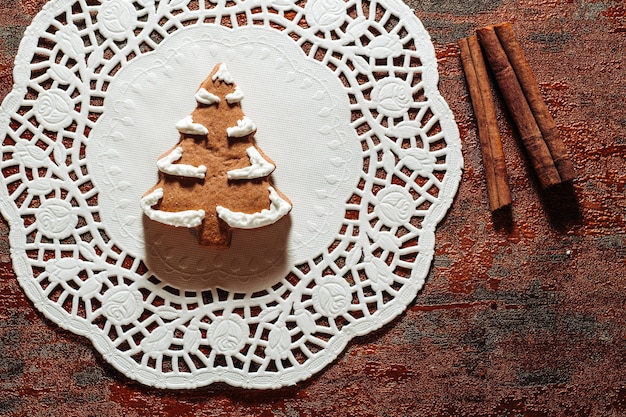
524	317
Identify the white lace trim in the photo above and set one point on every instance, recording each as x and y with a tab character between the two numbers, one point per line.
366	149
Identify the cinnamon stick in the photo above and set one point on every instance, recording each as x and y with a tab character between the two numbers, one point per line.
529	85
485	112
519	109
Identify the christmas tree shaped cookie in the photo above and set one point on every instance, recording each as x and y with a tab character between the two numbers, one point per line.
215	179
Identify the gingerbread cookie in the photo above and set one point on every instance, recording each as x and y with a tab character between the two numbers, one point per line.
215	179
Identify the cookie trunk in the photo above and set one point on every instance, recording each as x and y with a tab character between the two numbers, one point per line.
214	232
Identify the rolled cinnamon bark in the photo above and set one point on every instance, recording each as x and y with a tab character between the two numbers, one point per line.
533	95
485	112
519	109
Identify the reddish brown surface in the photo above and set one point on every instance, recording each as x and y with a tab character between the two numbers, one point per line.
524	319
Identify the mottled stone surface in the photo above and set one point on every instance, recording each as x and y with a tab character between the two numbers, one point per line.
524	317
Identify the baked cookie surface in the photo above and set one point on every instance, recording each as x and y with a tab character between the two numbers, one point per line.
215	178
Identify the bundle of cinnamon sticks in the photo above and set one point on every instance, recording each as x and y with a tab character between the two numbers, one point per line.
522	96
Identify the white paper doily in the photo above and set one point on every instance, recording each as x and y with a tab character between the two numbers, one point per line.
344	95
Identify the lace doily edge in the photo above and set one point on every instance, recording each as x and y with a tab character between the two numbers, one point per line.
131	369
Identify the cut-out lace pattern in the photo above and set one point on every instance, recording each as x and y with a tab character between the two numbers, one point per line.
81	275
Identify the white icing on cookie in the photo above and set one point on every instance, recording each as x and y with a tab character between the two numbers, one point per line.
167	165
187	125
244	127
186	218
235	97
259	167
223	75
278	209
205	97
